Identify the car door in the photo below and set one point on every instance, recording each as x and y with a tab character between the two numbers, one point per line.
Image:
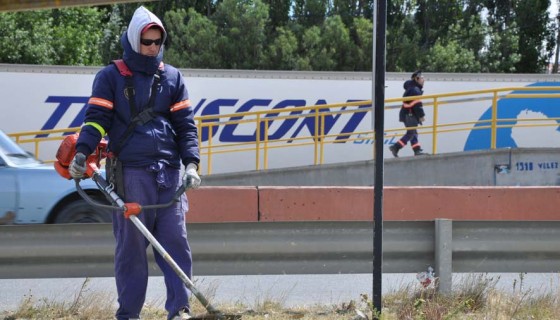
8	193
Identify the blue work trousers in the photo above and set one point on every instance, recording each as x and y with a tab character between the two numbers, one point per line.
151	186
410	135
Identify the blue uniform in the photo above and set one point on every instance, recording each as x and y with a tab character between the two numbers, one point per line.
169	138
151	158
410	114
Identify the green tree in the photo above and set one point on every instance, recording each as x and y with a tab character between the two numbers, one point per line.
65	37
110	47
76	34
310	13
326	48
502	54
434	18
435	35
472	34
279	12
241	33
313	56
193	40
451	56
204	7
532	18
403	37
346	9
500	13
26	37
363	40
335	39
282	53
365	9
350	9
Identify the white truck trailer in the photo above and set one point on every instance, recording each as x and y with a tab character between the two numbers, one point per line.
53	97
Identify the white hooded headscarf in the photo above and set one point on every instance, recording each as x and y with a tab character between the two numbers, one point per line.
141	18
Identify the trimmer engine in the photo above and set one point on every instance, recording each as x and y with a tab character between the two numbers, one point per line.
67	151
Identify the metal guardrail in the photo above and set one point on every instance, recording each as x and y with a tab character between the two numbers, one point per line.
321	247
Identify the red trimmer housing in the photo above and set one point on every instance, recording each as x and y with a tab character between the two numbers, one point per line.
67	151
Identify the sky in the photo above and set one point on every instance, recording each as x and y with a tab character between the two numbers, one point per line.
553	9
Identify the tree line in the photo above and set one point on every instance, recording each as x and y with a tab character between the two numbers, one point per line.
514	36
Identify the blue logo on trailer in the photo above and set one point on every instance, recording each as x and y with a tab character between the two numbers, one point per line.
479	139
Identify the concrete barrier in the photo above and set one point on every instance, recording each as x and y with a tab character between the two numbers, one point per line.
223	204
246	204
315	203
522	167
472	203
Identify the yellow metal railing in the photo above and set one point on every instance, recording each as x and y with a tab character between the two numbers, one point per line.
30	137
477	95
261	122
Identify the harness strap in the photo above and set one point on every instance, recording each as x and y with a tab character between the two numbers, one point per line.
123	68
130	93
147	114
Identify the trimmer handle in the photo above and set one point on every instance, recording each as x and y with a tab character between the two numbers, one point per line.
107	189
93	162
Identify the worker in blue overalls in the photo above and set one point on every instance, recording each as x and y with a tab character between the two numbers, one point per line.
411	114
143	106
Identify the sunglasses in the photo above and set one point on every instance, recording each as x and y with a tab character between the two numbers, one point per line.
149	42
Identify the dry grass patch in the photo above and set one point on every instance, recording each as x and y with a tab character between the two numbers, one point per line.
86	305
475	298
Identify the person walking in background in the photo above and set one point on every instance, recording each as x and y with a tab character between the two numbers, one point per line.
144	108
411	114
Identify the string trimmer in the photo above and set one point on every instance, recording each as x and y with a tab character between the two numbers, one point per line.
64	156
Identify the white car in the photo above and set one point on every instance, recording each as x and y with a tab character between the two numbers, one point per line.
33	192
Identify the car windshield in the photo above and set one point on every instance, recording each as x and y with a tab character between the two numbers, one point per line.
14	152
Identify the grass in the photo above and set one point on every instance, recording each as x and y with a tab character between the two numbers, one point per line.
476	297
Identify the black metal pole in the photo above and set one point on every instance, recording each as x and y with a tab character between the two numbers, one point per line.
379	118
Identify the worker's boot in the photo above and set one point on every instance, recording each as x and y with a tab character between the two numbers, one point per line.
419	152
182	315
395	149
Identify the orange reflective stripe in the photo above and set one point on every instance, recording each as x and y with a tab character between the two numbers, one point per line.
101	102
411	104
180	105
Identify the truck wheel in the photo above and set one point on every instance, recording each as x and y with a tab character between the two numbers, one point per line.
80	211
